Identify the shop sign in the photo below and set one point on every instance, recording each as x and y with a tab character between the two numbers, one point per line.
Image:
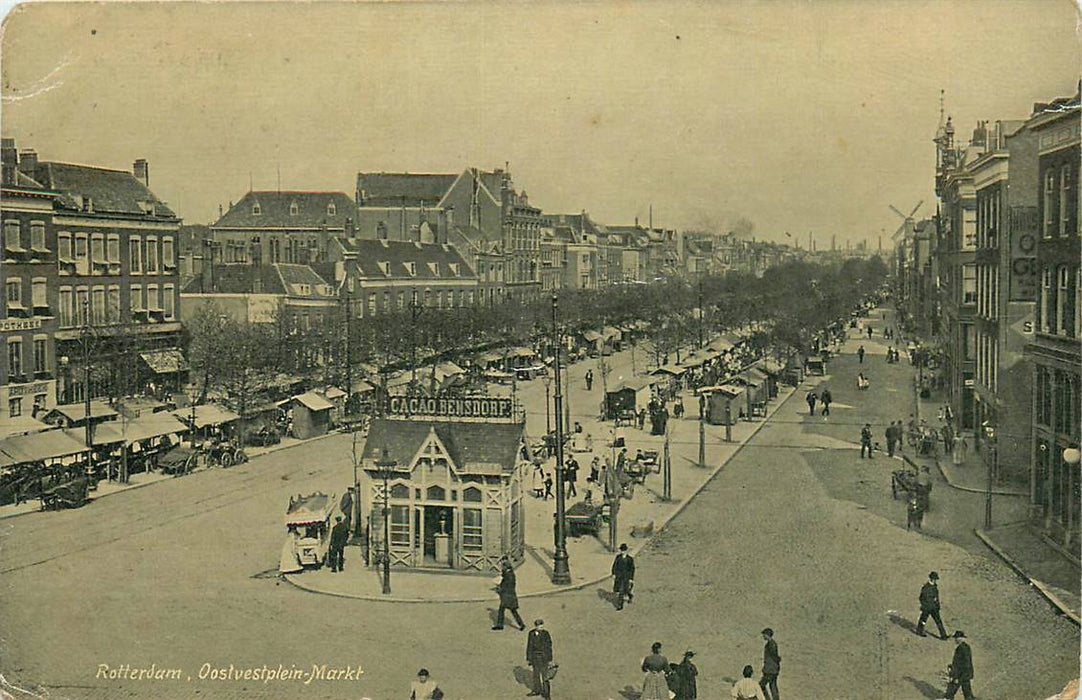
449	407
1024	236
20	324
28	389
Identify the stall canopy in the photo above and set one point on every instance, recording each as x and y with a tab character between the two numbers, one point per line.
20	425
772	367
74	413
207	414
37	447
720	345
592	336
611	333
726	389
520	352
138	429
362	387
333	392
168	361
313	401
674	370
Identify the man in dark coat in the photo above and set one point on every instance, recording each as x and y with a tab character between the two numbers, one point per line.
684	675
346	506
961	668
623	571
508	596
825	398
539	656
571	475
860	354
811	398
929	605
866	441
771	666
589	379
337	547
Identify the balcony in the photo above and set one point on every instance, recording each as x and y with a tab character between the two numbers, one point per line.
43	374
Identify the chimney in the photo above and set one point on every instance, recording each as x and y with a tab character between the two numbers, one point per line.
450	214
9	157
141	171
636	222
28	162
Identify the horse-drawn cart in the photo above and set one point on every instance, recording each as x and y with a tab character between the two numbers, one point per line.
71	494
909	484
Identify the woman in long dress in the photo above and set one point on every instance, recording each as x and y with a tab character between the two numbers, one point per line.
654	686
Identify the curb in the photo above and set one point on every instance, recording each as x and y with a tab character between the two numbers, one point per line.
1042	589
132	487
575	586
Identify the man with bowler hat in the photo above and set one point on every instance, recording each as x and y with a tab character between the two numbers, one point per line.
929	605
539	656
961	668
771	666
508	596
623	571
337	548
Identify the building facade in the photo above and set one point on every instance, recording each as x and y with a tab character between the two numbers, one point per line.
28	274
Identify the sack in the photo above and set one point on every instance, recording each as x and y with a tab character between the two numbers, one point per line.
437	694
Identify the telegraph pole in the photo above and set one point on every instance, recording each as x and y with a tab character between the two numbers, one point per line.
86	388
702	430
700	310
349	340
561	570
667	466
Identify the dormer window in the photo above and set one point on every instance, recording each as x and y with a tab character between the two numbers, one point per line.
435	268
303	289
293	209
385	268
411	268
454	268
324	290
256	209
331	209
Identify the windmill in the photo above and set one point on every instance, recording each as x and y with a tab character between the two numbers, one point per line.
906	220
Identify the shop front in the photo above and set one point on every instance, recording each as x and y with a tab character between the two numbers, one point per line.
452	485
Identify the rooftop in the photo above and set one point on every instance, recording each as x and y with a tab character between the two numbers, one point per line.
471	447
99	190
290	210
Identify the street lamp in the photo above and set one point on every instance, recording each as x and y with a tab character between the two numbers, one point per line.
1071	456
546	380
561	571
990	441
386	466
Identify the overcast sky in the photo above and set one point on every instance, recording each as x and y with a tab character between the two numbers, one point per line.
800	116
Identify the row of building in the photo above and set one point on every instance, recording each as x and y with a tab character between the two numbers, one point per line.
994	277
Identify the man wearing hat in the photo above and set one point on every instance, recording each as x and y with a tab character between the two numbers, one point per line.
929	605
961	668
684	675
623	571
336	549
539	656
508	595
424	688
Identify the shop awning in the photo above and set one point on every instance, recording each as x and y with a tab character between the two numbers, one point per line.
36	447
77	411
206	414
313	401
168	361
139	429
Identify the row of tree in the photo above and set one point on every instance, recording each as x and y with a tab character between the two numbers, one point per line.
790	302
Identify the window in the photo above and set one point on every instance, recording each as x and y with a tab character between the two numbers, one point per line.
169	260
136	298
40	354
434	268
15	407
13	292
1065	298
1048	301
97	250
37	236
969	284
372	304
428	297
113	304
15	359
472	537
67	317
293	209
153	302
82	255
39	293
969	341
112	249
401	300
385	268
152	255
13	236
256	209
386	301
411	268
1049	197
331	209
1064	199
63	249
135	254
82	306
400	526
97	305
454	268
169	301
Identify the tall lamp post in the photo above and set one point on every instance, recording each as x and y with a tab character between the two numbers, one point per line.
84	334
386	466
990	441
1071	457
561	571
546	380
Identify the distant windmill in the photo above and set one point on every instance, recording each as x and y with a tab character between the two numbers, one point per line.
906	220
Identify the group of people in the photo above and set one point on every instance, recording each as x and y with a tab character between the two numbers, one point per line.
960	670
823	398
892	355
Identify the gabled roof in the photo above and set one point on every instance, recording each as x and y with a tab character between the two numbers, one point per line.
313	210
402	189
283	279
428	258
108	191
293	276
474	448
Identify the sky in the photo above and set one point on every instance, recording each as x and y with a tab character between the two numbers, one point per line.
798	116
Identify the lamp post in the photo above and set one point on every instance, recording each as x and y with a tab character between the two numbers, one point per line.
702	429
561	571
990	436
667	465
386	465
546	380
1071	457
415	311
84	334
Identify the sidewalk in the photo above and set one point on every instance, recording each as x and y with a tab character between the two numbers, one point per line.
590	560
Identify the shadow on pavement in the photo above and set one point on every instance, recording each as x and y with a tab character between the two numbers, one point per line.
542	558
906	624
524	677
607	596
926	689
631	693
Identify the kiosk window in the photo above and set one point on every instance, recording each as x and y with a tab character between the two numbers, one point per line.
471	529
472	495
400	526
436	493
400	491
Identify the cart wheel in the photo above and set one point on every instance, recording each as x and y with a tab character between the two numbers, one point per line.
242	457
227	460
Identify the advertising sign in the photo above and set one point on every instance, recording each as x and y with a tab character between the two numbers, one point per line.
449	407
1024	235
